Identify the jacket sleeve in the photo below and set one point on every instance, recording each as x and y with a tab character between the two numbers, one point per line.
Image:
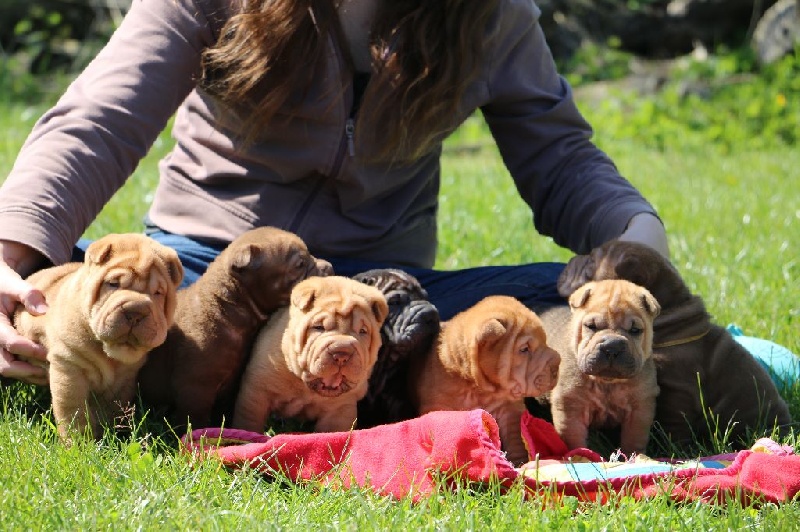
82	150
574	190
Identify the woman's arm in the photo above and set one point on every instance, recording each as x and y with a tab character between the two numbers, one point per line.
575	191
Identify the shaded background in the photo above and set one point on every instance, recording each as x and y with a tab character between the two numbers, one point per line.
52	35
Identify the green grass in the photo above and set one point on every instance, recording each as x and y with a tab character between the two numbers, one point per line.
732	217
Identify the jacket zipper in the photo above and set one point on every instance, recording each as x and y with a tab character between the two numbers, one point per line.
347	146
349	133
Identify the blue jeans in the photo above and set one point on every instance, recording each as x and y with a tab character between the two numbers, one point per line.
450	291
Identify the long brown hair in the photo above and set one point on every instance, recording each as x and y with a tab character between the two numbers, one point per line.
424	54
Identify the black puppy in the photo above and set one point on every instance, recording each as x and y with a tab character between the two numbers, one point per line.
408	333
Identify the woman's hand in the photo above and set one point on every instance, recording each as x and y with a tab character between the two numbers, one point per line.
647	229
16	260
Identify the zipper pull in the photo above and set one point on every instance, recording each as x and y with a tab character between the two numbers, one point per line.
349	132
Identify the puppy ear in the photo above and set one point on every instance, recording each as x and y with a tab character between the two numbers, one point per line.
380	308
172	263
578	271
249	256
492	329
581	296
650	304
371	277
303	295
175	270
99	251
489	332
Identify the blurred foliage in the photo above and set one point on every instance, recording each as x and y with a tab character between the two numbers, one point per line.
16	83
46	36
596	62
724	99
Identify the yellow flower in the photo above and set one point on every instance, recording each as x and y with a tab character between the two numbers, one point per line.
781	100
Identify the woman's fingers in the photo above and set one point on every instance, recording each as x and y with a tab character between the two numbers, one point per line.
14	291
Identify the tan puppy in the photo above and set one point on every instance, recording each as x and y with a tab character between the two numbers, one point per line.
313	360
490	356
105	315
704	374
196	372
607	377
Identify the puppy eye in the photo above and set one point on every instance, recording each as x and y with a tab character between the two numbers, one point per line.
318	327
397	299
591	326
636	331
363	331
113	283
525	350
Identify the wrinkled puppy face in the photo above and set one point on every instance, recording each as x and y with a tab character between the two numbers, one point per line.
333	335
130	283
410	328
504	346
613	328
413	321
268	262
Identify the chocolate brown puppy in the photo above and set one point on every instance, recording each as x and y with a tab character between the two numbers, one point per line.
407	335
196	371
313	360
703	373
490	356
607	377
104	316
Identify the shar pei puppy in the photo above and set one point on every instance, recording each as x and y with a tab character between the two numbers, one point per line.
196	373
607	377
406	336
489	356
105	315
312	361
709	383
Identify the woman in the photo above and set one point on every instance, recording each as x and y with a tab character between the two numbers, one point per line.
324	118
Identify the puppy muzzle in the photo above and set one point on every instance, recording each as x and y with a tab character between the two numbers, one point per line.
337	369
132	322
542	375
610	358
321	268
412	329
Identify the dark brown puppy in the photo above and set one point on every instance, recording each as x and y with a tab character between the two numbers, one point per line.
698	362
407	335
194	374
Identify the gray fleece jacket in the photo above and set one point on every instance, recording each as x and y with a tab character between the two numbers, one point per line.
301	174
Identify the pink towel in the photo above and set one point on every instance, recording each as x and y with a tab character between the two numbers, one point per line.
414	458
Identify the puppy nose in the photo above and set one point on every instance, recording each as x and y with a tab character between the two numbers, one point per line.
135	316
324	268
135	312
341	356
612	348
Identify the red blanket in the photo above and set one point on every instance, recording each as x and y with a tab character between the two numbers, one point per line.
414	458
